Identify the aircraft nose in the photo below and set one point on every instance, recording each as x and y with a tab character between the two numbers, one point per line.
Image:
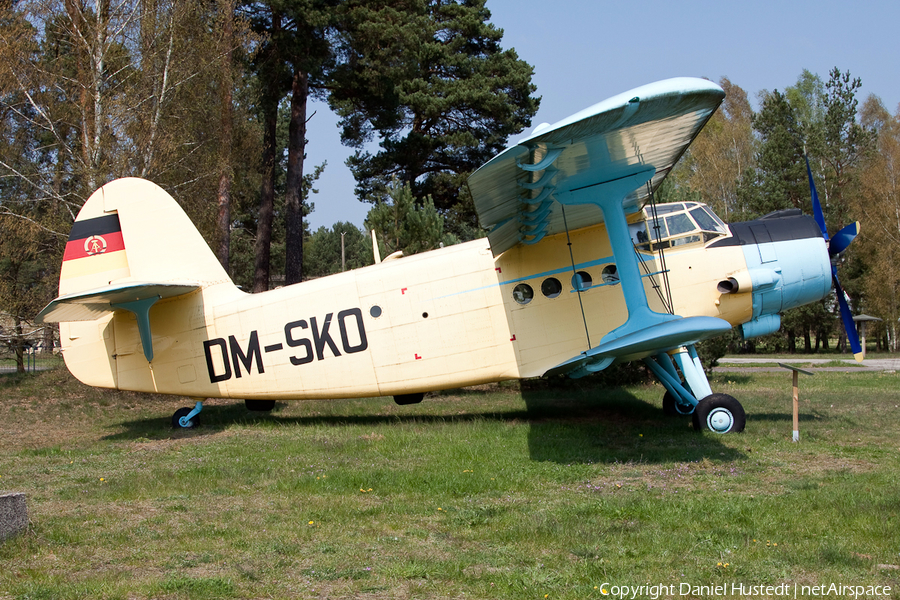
787	259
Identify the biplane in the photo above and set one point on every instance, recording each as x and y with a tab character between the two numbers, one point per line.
580	270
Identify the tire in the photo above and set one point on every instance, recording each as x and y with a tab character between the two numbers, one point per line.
404	399
720	413
671	408
259	405
183	412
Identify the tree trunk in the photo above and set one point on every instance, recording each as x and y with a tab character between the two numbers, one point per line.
266	199
223	219
19	346
293	200
48	335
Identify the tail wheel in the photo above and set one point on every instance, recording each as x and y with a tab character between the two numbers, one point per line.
720	413
183	412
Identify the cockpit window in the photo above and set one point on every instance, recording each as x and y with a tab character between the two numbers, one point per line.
665	209
677	224
707	220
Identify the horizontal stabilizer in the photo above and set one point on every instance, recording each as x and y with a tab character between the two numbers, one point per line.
660	337
93	304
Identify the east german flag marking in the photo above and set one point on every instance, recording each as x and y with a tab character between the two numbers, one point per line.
93	237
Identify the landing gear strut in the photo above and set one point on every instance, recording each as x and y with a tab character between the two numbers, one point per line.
720	413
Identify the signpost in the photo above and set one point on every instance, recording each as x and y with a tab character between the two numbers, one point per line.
796	391
861	321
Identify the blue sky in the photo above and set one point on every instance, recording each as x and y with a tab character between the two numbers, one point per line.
585	51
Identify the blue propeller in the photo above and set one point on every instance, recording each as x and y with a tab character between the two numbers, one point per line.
836	246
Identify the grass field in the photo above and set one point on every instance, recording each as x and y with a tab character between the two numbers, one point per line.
486	493
33	362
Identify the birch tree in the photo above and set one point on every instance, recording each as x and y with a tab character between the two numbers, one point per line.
878	207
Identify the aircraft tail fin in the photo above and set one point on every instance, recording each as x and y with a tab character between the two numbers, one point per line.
116	259
116	240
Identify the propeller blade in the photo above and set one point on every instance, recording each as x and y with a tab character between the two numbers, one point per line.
840	242
847	318
842	239
817	207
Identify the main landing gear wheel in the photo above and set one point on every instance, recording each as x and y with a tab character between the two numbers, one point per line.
183	412
404	399
720	413
259	405
673	408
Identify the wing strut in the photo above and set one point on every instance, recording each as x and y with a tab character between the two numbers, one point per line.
609	196
576	278
645	331
667	301
655	284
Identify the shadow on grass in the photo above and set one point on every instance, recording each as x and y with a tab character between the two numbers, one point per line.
215	419
610	425
593	425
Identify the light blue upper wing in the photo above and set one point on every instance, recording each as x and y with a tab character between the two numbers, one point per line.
518	193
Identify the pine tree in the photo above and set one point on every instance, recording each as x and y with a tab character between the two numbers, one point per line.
430	80
322	250
781	172
400	223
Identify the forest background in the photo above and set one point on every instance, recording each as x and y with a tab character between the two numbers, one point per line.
209	99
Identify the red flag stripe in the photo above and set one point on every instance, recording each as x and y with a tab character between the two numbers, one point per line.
94	245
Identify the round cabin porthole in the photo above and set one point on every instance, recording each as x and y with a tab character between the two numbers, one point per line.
551	287
523	293
581	281
375	311
610	275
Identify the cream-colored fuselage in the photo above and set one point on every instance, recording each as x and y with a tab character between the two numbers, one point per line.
442	319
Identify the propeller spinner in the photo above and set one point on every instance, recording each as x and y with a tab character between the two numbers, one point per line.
836	246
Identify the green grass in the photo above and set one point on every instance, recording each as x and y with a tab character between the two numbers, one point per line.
795	362
488	493
32	362
823	353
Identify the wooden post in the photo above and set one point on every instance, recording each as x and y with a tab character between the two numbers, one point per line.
861	321
796	397
796	391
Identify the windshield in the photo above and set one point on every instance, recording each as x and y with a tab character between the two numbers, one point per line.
676	224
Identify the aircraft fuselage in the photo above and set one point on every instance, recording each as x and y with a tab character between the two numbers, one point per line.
447	318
